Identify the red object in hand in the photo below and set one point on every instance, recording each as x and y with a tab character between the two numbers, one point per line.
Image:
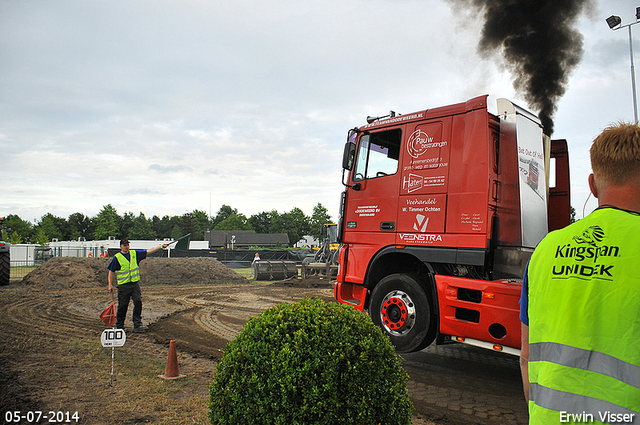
108	316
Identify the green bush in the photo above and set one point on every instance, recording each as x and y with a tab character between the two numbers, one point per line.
310	363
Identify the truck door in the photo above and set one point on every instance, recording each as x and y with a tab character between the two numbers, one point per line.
372	200
425	179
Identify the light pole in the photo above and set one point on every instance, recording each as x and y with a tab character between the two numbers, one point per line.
615	24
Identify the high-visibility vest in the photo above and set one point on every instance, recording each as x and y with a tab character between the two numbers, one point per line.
129	270
584	322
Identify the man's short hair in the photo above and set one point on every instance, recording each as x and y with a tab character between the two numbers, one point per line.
615	153
124	242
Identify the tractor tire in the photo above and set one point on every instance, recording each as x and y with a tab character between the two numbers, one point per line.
402	309
5	268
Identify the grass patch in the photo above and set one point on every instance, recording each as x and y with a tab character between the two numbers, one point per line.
137	394
245	272
18	272
75	375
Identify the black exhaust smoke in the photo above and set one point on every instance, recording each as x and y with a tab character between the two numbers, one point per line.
539	43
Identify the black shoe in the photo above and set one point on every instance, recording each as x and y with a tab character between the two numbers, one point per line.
140	329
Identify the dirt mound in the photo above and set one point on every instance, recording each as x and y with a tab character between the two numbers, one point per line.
69	272
169	271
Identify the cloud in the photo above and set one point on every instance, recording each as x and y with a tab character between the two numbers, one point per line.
142	191
165	169
165	106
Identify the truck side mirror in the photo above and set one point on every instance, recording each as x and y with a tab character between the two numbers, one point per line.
349	155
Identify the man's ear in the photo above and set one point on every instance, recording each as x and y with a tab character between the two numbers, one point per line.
592	185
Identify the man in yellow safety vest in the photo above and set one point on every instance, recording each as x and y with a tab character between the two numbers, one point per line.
580	305
125	268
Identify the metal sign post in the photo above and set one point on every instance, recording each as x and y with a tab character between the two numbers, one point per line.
113	338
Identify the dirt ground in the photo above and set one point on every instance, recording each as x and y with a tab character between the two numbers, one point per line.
52	361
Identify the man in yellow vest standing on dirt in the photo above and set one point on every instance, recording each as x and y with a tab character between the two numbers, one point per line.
580	305
125	268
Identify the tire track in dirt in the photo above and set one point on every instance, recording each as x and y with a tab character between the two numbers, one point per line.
203	319
50	316
211	318
223	311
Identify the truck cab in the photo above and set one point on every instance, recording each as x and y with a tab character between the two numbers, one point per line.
441	211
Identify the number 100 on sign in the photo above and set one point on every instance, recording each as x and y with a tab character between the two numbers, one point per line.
113	338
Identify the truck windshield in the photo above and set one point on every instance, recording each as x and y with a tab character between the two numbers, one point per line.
378	155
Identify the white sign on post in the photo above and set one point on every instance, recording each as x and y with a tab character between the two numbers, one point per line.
113	338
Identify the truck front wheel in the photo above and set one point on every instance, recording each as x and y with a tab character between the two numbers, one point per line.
401	308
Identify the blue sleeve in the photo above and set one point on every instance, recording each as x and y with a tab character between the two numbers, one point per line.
114	265
524	297
141	254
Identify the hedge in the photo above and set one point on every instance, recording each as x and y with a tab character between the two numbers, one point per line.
310	362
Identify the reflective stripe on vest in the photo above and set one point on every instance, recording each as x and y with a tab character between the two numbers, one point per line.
593	361
584	321
559	403
129	270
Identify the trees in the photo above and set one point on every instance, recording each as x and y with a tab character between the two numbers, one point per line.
319	217
297	225
126	224
188	225
80	226
41	237
16	230
294	223
108	223
260	222
223	213
161	226
142	228
201	219
234	222
51	227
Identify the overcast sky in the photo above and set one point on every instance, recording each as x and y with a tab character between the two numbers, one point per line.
164	107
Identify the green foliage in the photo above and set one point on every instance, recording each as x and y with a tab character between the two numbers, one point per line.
15	225
142	228
319	218
41	238
294	223
50	227
234	222
190	225
223	213
260	222
80	226
162	226
310	363
14	239
107	223
126	224
201	220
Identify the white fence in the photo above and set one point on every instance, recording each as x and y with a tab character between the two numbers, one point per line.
32	254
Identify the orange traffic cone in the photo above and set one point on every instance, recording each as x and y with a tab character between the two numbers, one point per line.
171	372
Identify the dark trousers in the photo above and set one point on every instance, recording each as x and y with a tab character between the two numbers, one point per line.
128	291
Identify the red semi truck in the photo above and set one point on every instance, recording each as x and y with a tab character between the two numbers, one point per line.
441	212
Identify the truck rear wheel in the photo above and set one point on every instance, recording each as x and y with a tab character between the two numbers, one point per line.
401	308
4	268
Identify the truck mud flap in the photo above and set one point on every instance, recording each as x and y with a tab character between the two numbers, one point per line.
348	293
